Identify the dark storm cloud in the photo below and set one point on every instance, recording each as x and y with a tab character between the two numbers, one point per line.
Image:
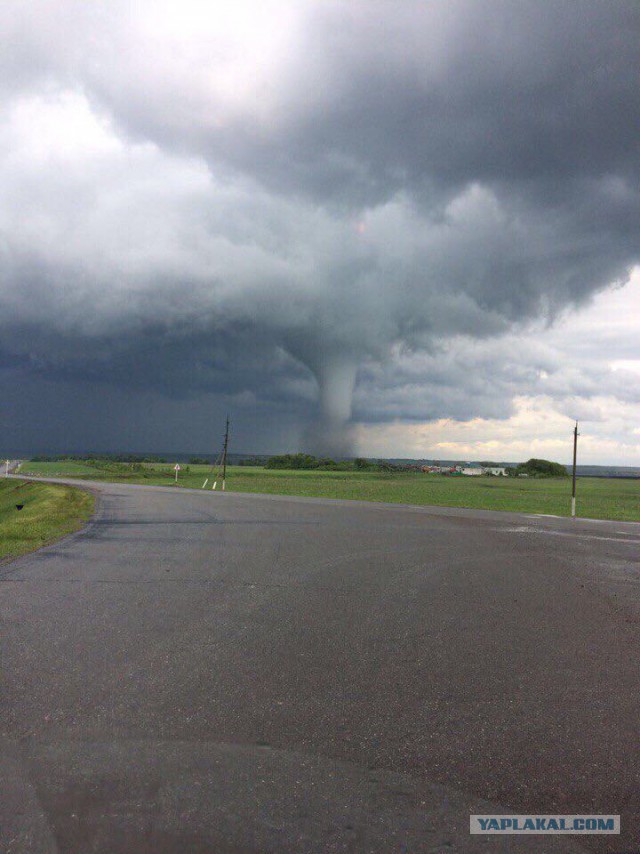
379	98
198	202
464	378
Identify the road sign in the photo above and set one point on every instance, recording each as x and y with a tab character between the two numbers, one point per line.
176	469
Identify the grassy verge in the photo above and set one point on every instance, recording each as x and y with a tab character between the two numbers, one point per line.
48	512
598	498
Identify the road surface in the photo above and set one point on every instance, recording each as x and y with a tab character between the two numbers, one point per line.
219	672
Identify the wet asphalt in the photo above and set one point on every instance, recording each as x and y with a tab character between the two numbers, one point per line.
200	671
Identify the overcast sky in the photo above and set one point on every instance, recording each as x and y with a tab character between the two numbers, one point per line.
396	229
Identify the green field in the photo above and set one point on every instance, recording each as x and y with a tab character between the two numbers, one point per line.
49	511
598	498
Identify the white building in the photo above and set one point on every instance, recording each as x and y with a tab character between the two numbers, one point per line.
498	471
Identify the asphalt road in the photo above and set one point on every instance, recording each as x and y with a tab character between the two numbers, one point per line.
216	672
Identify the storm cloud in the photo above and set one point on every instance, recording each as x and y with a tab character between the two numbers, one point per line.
284	203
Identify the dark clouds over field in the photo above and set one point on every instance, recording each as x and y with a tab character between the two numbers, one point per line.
253	206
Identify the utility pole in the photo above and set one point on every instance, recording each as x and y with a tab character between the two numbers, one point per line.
224	454
221	462
575	454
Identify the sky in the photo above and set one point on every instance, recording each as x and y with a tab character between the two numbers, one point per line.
387	229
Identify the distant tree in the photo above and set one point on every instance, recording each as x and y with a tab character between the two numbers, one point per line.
384	465
292	461
307	462
542	468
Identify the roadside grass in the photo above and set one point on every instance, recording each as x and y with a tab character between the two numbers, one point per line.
598	498
49	511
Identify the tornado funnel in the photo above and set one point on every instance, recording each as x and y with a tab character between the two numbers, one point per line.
332	434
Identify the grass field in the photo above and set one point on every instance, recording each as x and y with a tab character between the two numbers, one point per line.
598	498
49	511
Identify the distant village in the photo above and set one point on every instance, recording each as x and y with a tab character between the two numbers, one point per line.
469	469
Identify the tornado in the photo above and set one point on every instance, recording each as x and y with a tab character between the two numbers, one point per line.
332	434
